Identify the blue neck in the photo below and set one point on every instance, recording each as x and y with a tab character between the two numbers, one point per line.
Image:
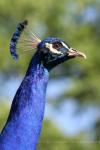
23	127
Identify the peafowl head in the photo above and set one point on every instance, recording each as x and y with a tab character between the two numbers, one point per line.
55	51
51	51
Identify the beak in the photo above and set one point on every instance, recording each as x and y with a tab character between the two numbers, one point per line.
73	53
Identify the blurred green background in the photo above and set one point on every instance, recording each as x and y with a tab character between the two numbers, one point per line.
78	23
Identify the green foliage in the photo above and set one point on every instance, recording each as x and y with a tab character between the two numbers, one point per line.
4	110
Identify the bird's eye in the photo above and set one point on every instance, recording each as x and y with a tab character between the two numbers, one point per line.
57	45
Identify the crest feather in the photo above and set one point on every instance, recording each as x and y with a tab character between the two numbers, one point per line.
21	41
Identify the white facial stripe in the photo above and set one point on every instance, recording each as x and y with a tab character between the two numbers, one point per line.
53	50
65	45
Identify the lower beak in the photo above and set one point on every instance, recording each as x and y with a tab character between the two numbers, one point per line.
73	53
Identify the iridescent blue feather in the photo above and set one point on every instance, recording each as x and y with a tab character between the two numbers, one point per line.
15	37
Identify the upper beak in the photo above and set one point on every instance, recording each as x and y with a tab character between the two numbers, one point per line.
73	53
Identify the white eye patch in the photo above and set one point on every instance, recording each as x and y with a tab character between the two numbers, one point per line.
53	50
65	45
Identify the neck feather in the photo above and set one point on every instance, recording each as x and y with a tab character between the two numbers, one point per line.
24	123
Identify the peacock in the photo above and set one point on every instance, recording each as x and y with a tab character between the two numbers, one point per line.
23	127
